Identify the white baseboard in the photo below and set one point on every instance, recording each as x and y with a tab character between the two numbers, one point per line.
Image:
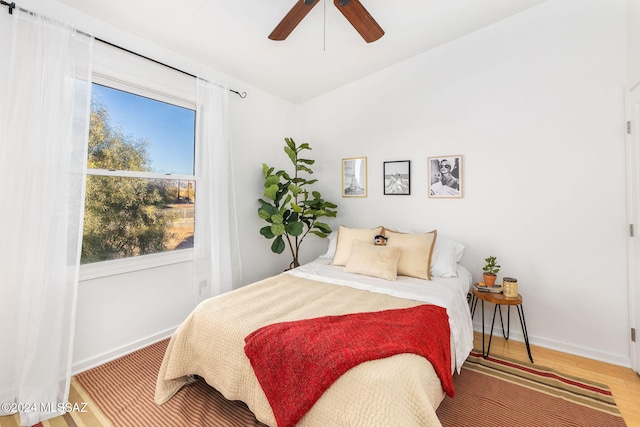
103	358
516	335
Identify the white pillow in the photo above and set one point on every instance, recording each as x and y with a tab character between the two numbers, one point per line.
331	249
446	254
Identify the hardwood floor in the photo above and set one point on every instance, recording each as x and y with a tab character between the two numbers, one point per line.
624	383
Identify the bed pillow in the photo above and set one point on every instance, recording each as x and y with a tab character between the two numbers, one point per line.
331	249
346	236
446	255
415	260
371	260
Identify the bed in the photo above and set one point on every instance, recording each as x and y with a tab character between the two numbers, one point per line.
402	389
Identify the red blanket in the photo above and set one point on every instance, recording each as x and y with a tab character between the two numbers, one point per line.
295	362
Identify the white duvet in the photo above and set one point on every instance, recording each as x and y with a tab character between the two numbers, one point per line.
450	293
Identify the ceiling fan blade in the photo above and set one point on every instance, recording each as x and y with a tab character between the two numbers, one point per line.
292	19
360	18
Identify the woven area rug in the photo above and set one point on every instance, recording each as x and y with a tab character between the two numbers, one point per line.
495	392
503	392
123	389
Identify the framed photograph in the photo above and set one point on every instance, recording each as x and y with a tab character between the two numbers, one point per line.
397	177
445	176
354	177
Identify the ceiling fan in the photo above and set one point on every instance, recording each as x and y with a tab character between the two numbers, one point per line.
353	10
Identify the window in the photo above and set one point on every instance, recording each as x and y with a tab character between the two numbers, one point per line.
141	189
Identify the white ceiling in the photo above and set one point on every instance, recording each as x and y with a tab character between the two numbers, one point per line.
323	53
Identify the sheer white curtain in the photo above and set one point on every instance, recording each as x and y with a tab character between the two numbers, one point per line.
42	162
216	251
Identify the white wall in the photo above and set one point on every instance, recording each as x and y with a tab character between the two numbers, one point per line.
535	104
633	42
124	312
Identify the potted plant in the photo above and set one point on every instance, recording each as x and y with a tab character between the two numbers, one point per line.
290	209
490	270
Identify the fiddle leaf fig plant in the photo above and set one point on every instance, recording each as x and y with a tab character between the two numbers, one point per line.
292	211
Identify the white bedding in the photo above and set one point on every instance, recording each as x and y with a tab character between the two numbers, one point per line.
450	293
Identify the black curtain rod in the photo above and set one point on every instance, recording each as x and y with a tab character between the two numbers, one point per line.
242	95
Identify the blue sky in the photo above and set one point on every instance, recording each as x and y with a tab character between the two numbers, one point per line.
169	129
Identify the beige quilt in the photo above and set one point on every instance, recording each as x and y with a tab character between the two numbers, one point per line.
402	390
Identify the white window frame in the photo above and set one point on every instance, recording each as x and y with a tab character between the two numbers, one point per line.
124	71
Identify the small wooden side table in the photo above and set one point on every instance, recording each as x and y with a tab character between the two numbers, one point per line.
499	300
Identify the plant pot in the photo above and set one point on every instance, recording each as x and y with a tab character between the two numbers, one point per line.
489	279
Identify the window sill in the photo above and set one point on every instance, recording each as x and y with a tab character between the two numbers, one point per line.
128	265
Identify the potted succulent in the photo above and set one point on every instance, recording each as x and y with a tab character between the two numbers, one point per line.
291	211
490	270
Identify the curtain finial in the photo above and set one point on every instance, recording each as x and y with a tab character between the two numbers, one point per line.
11	5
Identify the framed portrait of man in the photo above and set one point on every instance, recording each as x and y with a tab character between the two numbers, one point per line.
445	176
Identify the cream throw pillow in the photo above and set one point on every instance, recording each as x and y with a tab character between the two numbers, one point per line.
346	236
371	260
415	260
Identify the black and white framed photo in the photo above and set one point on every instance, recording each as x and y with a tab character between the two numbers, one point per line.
397	177
354	177
445	176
